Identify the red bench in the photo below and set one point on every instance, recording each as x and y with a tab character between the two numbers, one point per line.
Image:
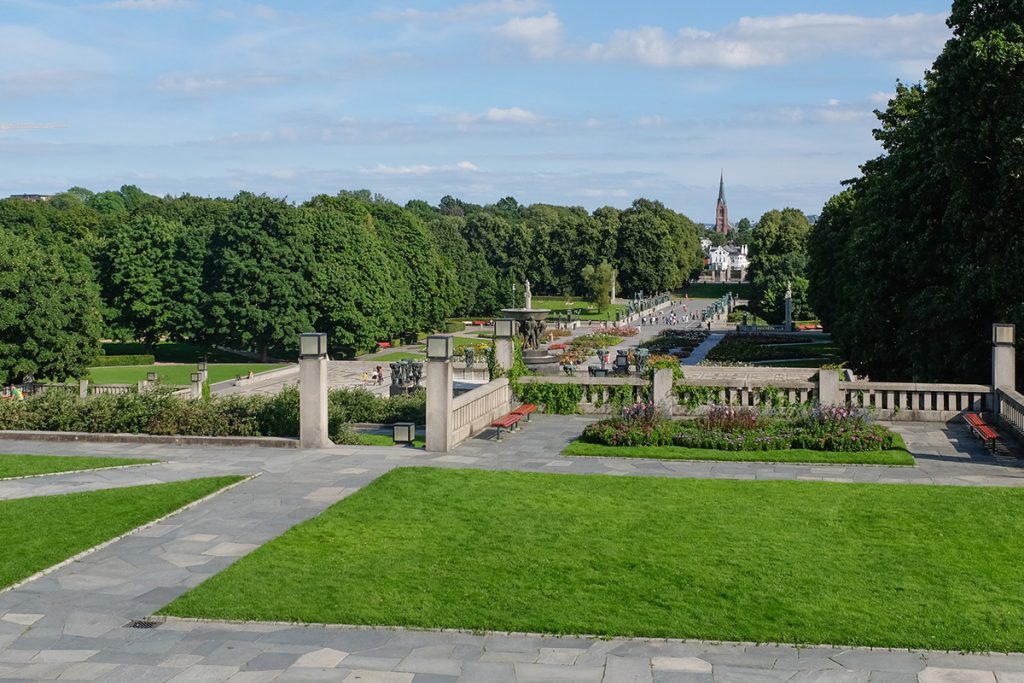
506	422
383	345
525	410
978	426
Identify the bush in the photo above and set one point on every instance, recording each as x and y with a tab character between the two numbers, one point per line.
454	326
159	412
112	361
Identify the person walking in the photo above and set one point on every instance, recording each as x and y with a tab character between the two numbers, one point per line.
380	374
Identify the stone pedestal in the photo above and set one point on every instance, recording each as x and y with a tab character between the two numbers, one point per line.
828	388
440	380
504	353
83	388
1004	368
313	430
661	390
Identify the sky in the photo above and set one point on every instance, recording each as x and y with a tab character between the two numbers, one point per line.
588	102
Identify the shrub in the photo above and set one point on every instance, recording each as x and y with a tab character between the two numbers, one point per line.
660	361
728	418
454	326
112	361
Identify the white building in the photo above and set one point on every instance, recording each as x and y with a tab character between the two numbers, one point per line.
728	262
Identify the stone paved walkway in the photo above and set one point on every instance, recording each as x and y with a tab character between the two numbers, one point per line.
71	624
702	350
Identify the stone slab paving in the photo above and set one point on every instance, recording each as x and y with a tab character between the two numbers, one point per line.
70	624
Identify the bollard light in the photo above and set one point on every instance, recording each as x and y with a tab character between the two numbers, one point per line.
150	376
440	347
504	328
403	432
1002	333
312	345
201	366
196	377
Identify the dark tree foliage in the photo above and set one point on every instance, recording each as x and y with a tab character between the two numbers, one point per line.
778	258
49	311
930	232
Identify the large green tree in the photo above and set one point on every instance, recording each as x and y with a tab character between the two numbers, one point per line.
778	259
261	280
49	311
930	230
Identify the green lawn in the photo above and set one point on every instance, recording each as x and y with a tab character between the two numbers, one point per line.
714	290
800	455
175	375
40	532
25	465
776	561
387	440
590	312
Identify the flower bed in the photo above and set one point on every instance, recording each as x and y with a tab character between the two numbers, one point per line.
687	340
835	429
620	331
588	343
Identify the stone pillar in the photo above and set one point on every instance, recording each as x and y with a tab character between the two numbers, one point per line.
661	390
504	353
313	430
789	311
197	389
83	388
143	386
440	379
828	388
1004	359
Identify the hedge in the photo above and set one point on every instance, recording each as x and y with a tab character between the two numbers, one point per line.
111	361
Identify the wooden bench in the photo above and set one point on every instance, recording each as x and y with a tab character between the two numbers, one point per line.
980	429
506	422
525	410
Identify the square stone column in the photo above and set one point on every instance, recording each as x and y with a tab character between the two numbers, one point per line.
1004	362
661	390
828	388
504	354
440	383
313	429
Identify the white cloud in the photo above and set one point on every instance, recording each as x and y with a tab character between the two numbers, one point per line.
146	5
747	43
649	121
542	35
833	102
421	169
513	115
881	98
199	85
265	12
30	126
461	12
33	60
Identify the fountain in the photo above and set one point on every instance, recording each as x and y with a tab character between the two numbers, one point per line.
531	332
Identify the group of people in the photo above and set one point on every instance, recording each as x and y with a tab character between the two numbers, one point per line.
13	393
376	377
673	317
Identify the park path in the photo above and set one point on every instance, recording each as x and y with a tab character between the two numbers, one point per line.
71	623
703	349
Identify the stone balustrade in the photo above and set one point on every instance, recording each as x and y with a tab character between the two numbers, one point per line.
476	409
1011	411
913	401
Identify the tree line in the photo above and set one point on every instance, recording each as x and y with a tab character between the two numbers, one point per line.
912	263
252	272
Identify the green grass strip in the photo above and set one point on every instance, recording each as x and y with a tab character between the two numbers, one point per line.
27	465
793	455
933	567
40	532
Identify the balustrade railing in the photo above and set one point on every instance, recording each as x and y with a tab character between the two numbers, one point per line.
1011	411
915	401
476	409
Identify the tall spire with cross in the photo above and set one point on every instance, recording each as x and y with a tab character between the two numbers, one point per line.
722	210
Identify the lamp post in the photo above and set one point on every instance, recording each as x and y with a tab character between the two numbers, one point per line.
440	396
197	385
313	432
504	331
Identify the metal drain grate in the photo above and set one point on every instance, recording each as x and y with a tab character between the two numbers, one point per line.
142	623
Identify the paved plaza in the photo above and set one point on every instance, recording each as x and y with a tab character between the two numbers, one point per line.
71	624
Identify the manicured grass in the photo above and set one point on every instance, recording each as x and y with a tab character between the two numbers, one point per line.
392	356
714	290
175	375
40	532
26	465
800	455
387	440
805	562
590	312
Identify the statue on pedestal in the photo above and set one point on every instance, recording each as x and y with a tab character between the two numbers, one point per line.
528	294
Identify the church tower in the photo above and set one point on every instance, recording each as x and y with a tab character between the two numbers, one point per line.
721	210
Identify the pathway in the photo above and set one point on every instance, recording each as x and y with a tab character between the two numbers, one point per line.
71	623
702	350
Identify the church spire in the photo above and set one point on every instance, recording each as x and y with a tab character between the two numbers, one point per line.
721	209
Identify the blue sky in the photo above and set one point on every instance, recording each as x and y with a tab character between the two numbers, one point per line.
584	103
